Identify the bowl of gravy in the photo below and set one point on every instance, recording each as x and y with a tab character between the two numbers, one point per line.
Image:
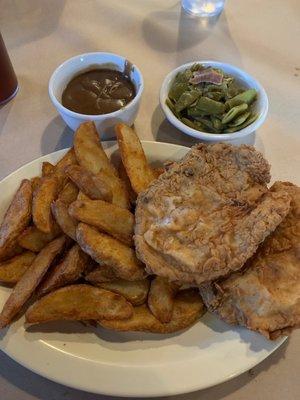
103	87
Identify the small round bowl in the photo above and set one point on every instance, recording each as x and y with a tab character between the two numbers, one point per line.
105	122
261	105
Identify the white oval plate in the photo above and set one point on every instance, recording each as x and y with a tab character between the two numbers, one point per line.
129	364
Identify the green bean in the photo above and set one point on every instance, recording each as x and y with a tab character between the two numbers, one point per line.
217	96
193	124
229	80
233	90
248	96
196	67
240	119
209	106
206	123
248	121
234	112
200	126
188	122
216	88
186	99
172	107
177	89
183	77
217	124
194	112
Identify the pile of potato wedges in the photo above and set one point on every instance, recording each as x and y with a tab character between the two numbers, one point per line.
66	244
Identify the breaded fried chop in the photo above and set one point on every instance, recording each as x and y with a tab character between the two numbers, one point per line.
265	296
206	215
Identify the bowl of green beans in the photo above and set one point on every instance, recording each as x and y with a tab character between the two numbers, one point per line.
213	101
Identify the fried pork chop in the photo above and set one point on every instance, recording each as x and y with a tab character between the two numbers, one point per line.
265	296
206	215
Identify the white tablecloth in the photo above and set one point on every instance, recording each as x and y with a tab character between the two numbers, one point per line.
259	36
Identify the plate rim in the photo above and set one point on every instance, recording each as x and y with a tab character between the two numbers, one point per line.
139	391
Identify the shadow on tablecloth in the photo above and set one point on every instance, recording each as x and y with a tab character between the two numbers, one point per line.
171	30
30	20
56	136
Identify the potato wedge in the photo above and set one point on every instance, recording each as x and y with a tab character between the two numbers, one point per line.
68	271
109	251
16	219
188	307
45	194
47	168
79	303
134	159
118	188
58	170
134	291
89	151
69	193
92	185
65	221
34	240
11	251
30	280
161	298
35	181
107	217
124	177
68	159
100	275
12	270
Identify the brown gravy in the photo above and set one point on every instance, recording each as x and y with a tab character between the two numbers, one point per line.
99	91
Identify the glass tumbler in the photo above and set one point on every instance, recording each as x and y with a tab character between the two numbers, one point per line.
8	79
203	8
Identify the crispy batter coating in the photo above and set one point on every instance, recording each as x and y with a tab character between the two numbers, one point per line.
265	296
206	215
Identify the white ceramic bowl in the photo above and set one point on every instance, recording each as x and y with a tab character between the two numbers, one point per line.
261	104
105	123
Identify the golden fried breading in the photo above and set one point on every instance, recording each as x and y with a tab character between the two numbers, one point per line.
265	296
206	215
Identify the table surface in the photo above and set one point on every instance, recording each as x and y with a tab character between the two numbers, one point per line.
258	36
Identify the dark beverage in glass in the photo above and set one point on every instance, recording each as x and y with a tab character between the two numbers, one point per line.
8	79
